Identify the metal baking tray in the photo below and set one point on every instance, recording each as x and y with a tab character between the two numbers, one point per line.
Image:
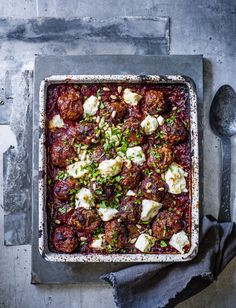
194	192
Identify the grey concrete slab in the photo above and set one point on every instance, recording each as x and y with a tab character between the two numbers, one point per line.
49	272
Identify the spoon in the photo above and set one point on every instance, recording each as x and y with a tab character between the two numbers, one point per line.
223	123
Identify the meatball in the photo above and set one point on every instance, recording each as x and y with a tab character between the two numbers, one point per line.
64	239
159	159
166	224
61	153
117	111
175	201
129	211
174	132
155	102
130	176
85	133
70	105
62	188
101	191
154	188
115	234
132	130
85	221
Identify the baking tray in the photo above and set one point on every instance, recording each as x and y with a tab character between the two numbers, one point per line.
98	257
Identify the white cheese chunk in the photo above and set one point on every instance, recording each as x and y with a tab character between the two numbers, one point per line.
150	209
136	155
56	122
144	242
130	193
84	198
78	169
131	98
149	124
98	243
160	120
111	167
107	213
175	179
179	241
91	105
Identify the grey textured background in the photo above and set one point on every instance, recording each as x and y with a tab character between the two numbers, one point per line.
200	27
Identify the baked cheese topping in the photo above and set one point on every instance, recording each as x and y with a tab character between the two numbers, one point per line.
136	154
131	98
107	213
179	241
110	167
91	105
175	179
84	198
149	125
144	242
78	169
98	242
56	122
150	209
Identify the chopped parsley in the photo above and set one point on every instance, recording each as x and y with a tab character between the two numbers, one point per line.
163	244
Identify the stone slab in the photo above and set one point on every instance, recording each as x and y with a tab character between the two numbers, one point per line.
44	272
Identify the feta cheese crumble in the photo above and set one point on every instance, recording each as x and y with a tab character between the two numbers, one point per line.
179	241
175	179
84	198
136	154
131	98
91	105
149	125
56	122
107	213
78	169
111	167
150	209
144	242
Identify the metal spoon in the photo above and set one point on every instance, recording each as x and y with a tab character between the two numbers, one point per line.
223	123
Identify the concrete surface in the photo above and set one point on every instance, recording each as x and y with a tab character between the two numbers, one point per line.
198	27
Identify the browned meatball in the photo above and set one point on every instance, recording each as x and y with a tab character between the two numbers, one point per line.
62	188
132	130
115	234
129	211
64	239
154	188
101	191
130	176
61	153
85	221
159	159
70	105
174	132
117	111
85	133
155	102
166	224
175	201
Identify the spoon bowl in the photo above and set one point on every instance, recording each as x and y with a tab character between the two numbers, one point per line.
223	112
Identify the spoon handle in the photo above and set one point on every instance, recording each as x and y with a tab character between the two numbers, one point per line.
224	213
